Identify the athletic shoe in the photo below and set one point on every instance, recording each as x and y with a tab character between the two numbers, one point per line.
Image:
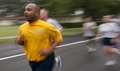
110	63
91	49
58	62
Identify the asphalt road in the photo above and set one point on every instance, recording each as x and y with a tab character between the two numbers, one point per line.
74	57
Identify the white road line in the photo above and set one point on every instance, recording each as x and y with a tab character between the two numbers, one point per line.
77	42
18	55
8	37
12	56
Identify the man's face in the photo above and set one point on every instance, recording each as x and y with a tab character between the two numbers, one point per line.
88	19
106	18
30	13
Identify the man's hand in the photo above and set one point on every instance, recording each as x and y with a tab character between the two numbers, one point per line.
113	40
46	52
19	40
49	50
87	28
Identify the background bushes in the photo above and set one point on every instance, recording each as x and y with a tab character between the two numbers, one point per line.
76	25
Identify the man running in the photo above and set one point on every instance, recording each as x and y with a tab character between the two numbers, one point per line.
44	16
110	32
35	35
89	33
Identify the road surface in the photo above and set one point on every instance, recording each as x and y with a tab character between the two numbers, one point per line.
75	57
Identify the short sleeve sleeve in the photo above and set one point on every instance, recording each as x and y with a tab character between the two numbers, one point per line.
55	34
19	31
55	23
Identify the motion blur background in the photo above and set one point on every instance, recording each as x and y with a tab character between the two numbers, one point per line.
95	8
70	14
63	10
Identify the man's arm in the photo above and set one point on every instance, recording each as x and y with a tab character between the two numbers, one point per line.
19	40
48	51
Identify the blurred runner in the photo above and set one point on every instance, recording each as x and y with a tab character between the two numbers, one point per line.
44	16
109	31
115	19
89	28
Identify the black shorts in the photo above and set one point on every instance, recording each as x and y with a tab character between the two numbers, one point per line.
107	41
46	65
89	37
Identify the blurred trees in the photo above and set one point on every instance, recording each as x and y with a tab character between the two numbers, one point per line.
12	7
95	8
99	8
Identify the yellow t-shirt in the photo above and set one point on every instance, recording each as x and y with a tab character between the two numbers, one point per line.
36	36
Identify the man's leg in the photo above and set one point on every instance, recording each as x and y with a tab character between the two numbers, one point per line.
47	64
32	65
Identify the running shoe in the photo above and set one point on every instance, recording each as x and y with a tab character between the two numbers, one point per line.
58	63
110	63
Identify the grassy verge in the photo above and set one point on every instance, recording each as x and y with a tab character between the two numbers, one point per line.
72	31
6	31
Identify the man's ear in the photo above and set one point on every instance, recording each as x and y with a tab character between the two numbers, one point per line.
38	13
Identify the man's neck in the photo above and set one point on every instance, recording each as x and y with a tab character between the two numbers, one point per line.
32	21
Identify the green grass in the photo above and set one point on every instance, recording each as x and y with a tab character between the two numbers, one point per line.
6	31
12	31
7	40
72	31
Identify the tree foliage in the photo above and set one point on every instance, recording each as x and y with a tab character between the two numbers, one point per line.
95	8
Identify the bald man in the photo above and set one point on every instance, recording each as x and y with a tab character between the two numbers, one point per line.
44	16
35	36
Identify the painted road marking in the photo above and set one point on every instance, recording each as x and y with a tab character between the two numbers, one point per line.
18	55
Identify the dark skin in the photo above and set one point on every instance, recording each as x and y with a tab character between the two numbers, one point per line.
32	14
